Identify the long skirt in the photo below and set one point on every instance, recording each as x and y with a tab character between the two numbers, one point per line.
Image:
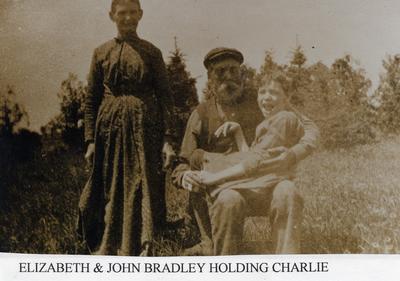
115	205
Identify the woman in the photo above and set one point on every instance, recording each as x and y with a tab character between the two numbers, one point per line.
127	111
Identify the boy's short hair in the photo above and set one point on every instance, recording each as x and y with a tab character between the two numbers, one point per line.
280	77
114	3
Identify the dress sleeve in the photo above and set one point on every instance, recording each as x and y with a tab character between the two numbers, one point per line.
189	145
309	142
164	94
93	97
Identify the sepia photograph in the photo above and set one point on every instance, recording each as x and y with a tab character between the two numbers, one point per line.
173	128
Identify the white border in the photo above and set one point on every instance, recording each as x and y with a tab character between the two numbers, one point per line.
340	268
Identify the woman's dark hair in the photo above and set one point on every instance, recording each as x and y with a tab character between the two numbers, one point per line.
114	3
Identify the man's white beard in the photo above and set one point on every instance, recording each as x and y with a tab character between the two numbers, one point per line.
228	93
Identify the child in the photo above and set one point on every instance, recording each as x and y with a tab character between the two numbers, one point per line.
249	168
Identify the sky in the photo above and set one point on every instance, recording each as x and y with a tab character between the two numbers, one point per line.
41	41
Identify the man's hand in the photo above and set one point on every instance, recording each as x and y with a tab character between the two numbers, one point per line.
168	155
283	159
191	181
227	128
90	153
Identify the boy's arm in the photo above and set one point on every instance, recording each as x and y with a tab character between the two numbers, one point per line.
309	142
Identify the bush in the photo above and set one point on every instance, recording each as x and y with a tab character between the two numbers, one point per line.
349	130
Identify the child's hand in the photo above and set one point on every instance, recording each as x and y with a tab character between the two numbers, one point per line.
208	179
227	128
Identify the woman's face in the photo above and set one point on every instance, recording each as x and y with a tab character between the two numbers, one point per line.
126	16
271	98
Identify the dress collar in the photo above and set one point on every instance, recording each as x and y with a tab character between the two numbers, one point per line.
127	38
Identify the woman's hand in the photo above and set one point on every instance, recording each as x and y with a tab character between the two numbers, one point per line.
228	128
168	155
90	153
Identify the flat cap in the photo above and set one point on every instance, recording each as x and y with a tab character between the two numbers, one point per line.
222	53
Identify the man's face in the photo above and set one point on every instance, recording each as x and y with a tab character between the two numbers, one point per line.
225	79
271	98
126	16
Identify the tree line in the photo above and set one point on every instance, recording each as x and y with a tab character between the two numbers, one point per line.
337	97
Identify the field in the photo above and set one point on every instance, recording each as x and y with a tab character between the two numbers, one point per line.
352	205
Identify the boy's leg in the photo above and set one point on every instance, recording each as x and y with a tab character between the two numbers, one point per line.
286	213
284	205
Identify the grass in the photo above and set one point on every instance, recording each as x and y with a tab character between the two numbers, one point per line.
352	200
352	205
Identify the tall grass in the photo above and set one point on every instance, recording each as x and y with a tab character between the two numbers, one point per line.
39	207
352	205
352	200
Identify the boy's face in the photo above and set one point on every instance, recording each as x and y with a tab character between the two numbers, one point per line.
271	98
126	16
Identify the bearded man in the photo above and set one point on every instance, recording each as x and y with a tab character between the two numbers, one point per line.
226	101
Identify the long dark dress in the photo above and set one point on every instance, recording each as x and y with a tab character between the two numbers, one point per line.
127	116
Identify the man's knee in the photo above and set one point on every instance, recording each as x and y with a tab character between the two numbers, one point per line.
229	200
286	196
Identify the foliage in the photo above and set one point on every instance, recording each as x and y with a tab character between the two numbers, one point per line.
347	121
269	66
68	125
39	210
183	88
299	76
346	130
39	205
387	96
12	113
335	97
352	200
350	82
249	80
351	205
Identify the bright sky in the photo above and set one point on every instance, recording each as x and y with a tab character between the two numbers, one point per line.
43	40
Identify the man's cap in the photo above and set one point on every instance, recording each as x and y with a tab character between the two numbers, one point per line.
222	53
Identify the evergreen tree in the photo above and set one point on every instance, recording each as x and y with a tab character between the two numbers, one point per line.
183	88
349	121
250	81
387	95
320	88
300	77
319	99
12	113
269	66
350	82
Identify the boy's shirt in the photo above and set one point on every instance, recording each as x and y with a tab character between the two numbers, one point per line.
193	134
282	129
